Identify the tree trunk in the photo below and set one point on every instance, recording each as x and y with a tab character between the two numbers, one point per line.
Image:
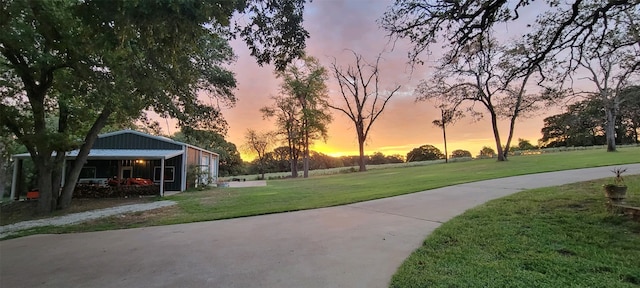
76	166
56	176
496	135
305	159
46	201
305	164
361	160
516	112
3	174
621	130
293	155
510	137
294	167
610	129
444	136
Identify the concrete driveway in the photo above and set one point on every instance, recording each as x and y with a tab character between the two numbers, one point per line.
357	245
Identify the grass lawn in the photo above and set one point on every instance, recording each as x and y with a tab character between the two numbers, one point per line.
329	190
551	237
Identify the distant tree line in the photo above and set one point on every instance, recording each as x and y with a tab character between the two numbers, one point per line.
278	161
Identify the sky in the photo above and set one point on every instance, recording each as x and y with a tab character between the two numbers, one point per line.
335	26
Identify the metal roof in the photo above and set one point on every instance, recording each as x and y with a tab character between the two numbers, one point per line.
129	131
119	154
159	138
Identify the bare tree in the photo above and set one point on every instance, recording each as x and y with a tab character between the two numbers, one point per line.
565	32
559	29
258	143
483	74
363	100
516	103
448	116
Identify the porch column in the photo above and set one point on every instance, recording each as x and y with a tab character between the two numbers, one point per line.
64	171
17	165
183	185
210	169
161	177
199	178
215	166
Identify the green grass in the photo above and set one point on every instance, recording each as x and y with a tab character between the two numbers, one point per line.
551	237
329	190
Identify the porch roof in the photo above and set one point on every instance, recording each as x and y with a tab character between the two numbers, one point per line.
119	154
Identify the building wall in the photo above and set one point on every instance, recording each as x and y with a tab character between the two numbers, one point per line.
140	169
213	165
193	157
104	168
205	161
176	164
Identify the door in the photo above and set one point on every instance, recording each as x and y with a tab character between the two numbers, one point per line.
204	170
126	172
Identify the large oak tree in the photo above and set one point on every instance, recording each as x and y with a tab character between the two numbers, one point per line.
611	67
304	99
84	62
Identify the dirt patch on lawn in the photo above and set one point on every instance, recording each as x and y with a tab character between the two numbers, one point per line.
133	219
19	211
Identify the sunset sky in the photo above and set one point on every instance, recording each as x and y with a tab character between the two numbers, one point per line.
337	25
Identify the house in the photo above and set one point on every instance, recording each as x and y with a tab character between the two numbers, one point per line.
128	154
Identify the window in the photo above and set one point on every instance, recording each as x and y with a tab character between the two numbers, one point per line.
88	172
169	174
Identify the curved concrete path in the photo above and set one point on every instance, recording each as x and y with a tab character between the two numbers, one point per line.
357	245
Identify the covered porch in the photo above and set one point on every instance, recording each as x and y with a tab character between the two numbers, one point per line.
119	167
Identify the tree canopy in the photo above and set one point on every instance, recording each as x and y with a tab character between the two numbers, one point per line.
86	62
459	153
583	122
301	108
610	68
487	152
558	28
524	144
259	143
424	153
